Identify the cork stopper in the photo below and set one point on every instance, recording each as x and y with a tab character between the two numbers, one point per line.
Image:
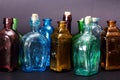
87	19
35	17
67	13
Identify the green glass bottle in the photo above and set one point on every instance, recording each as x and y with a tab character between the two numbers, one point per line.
86	52
14	27
80	29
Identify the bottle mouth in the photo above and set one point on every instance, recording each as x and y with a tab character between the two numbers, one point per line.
8	20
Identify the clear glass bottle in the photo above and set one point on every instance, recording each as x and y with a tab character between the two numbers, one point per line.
96	29
112	46
46	30
9	46
34	49
61	48
86	52
67	16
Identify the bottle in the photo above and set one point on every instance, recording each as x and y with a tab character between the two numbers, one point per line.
86	52
103	47
34	50
46	30
9	46
61	47
67	16
80	29
15	25
112	46
96	29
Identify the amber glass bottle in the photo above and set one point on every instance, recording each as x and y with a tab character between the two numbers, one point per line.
112	56
103	47
67	16
9	46
61	48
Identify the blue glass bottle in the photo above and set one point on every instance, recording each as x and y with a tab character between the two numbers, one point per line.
96	29
34	48
46	30
86	52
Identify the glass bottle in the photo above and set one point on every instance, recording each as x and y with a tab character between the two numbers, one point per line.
86	52
67	16
112	46
80	28
46	30
15	25
34	49
96	29
61	48
9	46
103	47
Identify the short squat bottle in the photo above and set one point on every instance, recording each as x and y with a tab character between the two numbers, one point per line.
67	16
46	30
86	52
9	46
112	60
61	48
34	49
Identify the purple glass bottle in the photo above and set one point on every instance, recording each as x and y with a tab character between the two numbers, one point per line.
9	46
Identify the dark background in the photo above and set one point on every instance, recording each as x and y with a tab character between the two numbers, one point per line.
22	9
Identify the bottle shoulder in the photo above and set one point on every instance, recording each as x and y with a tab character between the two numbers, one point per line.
34	36
10	33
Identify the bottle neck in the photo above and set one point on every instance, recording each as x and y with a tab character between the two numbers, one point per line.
87	29
35	25
46	23
8	26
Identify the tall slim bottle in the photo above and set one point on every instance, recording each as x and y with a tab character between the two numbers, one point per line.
112	46
46	30
80	29
34	50
86	52
61	48
15	25
9	46
67	16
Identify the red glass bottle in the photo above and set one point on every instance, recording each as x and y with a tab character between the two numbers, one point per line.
9	46
67	16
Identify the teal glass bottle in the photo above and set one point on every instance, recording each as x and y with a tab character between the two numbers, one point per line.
46	30
96	28
34	50
86	52
80	29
